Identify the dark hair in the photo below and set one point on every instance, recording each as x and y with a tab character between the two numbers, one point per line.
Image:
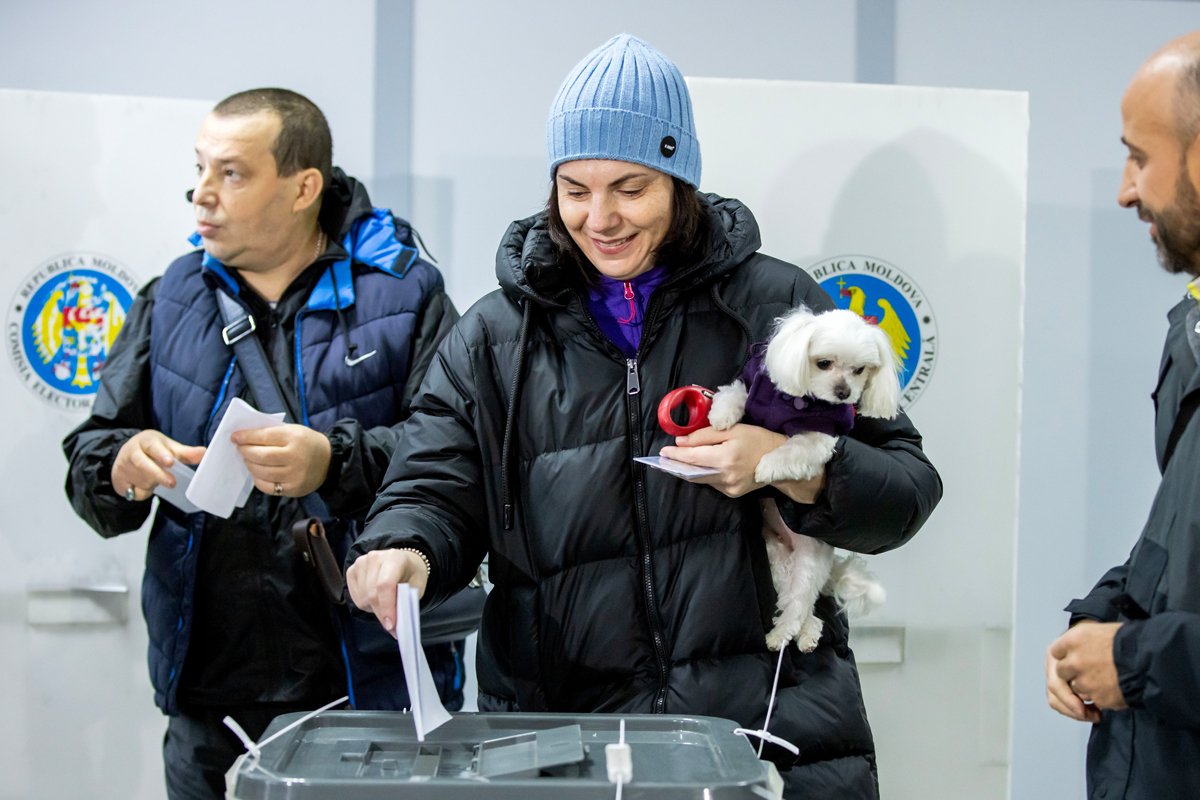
1187	100
304	140
686	242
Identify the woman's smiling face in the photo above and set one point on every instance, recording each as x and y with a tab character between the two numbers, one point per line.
617	212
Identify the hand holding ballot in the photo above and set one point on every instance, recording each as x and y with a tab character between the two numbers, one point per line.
293	457
222	481
373	577
144	463
249	450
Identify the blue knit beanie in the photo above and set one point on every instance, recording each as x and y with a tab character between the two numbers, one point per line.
625	102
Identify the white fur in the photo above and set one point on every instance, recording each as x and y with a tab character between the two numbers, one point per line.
840	358
728	405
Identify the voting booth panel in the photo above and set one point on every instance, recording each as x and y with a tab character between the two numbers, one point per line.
94	207
908	206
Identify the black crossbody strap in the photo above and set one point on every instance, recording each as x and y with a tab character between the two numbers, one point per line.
238	334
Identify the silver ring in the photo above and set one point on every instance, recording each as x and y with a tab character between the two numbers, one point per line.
129	494
278	489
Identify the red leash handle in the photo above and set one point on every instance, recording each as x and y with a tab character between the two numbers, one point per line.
696	399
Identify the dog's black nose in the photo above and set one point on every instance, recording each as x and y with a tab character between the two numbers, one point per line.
841	391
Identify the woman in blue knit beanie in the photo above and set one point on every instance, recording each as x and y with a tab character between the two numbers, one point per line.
618	588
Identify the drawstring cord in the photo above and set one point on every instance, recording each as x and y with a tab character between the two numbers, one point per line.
421	242
508	454
350	359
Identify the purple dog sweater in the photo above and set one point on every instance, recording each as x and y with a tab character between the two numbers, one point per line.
774	410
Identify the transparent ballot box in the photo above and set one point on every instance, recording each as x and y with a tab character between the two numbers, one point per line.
364	755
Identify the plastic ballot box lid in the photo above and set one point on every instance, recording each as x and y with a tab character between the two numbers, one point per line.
363	755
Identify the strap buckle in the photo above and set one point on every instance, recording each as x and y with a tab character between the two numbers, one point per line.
238	330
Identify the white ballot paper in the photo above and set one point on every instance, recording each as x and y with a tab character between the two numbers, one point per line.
427	710
222	482
177	494
676	468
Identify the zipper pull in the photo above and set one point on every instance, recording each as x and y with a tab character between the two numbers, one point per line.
632	307
632	385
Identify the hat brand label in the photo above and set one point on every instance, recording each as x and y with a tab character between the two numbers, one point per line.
667	146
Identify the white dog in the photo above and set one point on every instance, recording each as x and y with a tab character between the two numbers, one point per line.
815	370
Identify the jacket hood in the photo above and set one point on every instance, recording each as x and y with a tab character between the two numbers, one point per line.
345	202
526	264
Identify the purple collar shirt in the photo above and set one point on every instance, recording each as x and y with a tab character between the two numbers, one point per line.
619	307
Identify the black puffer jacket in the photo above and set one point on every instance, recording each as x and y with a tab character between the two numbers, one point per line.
619	588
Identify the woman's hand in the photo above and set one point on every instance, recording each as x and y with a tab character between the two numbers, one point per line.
736	452
373	578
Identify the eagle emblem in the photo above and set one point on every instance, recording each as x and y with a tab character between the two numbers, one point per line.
72	324
884	295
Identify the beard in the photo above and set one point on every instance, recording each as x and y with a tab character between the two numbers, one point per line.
1177	229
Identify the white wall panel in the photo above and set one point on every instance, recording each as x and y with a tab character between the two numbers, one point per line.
922	191
94	196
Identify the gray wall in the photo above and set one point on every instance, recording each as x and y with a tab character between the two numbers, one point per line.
1095	312
478	78
204	52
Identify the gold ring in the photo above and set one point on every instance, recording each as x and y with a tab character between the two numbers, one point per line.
278	489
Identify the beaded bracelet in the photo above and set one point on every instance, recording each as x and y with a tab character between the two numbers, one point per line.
424	558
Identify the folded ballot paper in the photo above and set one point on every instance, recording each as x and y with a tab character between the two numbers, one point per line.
222	482
676	468
426	706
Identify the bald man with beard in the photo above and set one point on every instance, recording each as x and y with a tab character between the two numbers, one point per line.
1130	663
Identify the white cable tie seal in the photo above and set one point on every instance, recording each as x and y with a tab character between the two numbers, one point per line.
618	760
769	737
255	749
241	734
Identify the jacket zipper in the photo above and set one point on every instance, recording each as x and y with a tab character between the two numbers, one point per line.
632	384
633	388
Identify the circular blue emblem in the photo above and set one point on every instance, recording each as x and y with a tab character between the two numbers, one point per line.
884	295
63	322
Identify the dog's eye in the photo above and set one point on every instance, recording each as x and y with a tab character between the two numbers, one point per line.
859	371
824	363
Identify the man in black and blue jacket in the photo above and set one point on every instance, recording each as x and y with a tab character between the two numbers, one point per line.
348	315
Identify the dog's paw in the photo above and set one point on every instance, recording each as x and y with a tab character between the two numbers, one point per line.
780	464
728	406
801	457
785	629
810	634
